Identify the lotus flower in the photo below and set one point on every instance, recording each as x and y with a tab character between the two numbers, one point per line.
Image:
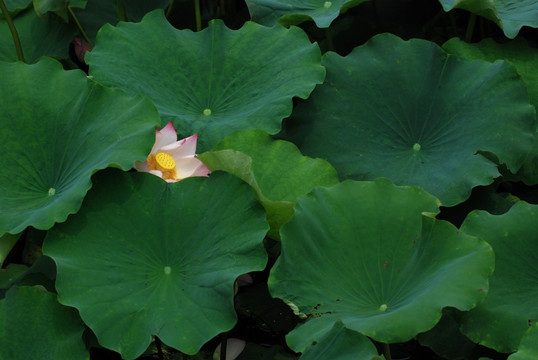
173	160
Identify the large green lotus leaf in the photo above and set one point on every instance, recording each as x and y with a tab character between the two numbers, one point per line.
510	15
211	82
275	168
144	257
341	343
528	349
371	255
267	12
34	326
58	128
502	319
408	111
39	37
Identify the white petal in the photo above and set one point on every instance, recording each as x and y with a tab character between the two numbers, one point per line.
234	347
186	167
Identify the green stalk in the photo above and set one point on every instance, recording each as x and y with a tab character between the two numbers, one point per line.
122	16
222	8
386	351
329	38
14	33
197	15
223	345
470	28
169	9
78	24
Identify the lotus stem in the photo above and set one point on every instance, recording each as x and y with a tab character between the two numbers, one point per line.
386	351
14	33
329	38
169	9
223	345
470	28
158	344
122	16
84	35
197	15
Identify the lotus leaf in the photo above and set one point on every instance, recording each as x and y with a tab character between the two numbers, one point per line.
265	158
408	111
58	128
510	15
211	82
32	313
510	308
267	12
144	257
370	254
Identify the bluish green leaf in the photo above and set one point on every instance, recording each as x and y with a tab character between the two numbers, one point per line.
211	82
58	128
144	257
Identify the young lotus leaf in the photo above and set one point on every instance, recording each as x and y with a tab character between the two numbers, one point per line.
144	257
510	15
408	111
528	349
31	313
510	308
267	12
257	159
211	82
39	37
371	255
58	128
341	344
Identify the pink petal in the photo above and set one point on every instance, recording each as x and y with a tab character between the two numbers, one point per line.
167	135
234	347
141	166
183	148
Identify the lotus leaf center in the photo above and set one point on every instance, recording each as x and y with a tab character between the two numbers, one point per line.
165	161
167	270
327	4
416	147
52	191
207	112
383	307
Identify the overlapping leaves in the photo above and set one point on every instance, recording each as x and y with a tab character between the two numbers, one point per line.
370	254
510	309
257	159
